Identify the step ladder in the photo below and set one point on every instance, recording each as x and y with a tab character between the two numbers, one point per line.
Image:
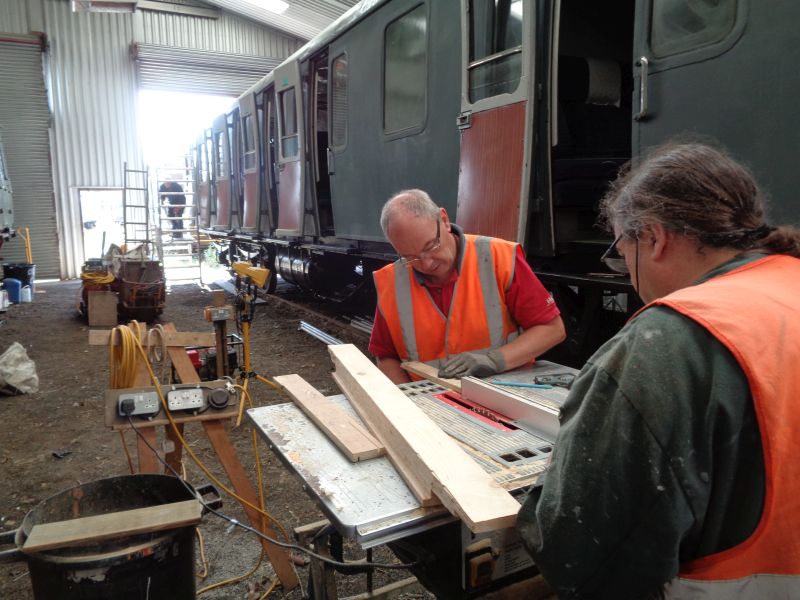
135	207
177	241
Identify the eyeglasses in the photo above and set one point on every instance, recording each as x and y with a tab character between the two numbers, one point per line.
430	248
613	259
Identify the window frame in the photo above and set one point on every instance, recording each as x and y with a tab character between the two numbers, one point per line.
282	137
248	135
643	40
422	124
527	49
331	104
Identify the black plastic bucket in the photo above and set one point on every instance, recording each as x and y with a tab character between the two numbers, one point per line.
149	566
24	272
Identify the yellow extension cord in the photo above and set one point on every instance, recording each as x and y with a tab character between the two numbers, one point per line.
98	278
122	373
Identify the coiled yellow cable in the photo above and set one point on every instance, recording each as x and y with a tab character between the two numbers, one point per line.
138	346
122	372
98	278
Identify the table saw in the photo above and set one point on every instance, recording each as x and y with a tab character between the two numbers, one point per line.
507	423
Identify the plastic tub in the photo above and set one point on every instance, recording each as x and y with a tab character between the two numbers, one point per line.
13	287
24	272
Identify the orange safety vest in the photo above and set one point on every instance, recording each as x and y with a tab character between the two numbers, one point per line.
478	318
754	311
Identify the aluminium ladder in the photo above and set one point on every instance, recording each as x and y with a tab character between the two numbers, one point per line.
180	254
135	207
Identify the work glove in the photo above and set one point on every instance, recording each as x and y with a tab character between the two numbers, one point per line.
480	363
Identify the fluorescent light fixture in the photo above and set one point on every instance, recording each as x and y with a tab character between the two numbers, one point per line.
277	6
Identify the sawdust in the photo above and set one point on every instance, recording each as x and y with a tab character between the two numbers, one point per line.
51	440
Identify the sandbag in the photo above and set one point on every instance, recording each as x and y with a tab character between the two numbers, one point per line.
17	371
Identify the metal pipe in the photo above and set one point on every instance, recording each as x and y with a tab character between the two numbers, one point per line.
319	334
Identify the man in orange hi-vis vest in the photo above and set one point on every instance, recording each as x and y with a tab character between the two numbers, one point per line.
470	305
675	472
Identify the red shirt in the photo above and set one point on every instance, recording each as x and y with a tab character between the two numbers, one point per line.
528	302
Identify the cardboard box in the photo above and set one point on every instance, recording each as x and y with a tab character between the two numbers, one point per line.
102	309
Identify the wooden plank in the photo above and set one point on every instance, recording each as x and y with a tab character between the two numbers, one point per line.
88	530
100	337
431	374
102	309
215	430
425	456
344	431
238	476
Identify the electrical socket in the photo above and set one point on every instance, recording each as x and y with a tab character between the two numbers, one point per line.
186	399
144	404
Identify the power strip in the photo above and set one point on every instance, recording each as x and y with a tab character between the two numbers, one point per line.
190	397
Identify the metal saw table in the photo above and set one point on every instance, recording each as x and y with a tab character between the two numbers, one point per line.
368	501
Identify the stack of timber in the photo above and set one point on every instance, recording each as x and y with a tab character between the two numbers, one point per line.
435	468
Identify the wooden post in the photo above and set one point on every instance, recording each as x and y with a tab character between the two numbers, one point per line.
215	430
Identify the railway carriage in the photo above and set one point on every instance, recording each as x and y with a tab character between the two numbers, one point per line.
513	114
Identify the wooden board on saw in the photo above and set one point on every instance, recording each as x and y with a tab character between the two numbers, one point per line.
431	374
431	462
343	430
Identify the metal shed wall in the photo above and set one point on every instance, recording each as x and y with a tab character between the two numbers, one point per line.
14	17
92	88
223	56
24	119
93	97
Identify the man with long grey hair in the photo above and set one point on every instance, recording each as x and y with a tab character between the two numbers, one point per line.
675	472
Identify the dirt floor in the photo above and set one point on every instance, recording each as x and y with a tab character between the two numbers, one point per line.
55	439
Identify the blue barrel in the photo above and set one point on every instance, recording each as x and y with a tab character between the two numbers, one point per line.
13	287
24	272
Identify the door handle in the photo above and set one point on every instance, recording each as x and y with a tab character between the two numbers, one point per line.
643	65
464	120
331	165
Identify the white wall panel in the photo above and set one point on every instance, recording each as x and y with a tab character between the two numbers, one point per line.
92	90
229	34
24	120
13	16
93	99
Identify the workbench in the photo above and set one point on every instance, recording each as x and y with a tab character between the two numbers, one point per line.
369	502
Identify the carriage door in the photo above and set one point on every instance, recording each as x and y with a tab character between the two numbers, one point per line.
268	157
250	179
495	117
222	173
722	68
203	180
290	149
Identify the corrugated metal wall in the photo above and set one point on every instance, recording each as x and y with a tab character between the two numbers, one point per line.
222	56
93	97
229	34
13	16
93	91
24	120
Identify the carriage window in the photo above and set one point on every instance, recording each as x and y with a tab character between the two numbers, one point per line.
208	152
405	71
495	47
339	101
221	170
289	136
249	144
203	161
681	25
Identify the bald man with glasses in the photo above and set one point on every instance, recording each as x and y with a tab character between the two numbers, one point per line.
469	305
